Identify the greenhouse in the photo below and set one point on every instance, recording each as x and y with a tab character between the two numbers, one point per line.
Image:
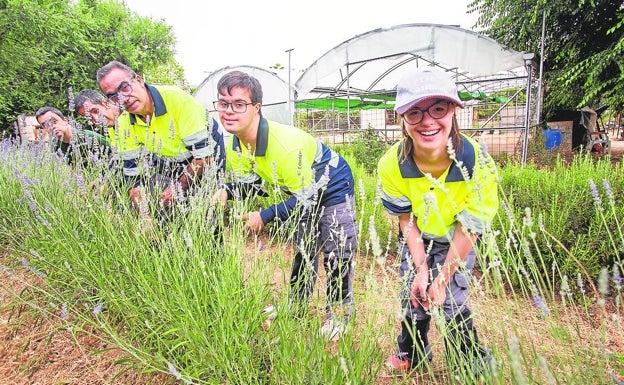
352	86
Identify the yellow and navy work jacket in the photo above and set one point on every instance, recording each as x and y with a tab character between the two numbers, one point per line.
293	160
175	135
466	192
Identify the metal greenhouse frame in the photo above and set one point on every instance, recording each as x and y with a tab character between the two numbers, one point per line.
353	86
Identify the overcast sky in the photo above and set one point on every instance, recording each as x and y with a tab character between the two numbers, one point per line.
213	34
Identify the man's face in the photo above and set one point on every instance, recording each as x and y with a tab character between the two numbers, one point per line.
126	90
53	123
99	114
236	111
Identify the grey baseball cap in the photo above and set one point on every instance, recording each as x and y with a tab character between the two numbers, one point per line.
422	84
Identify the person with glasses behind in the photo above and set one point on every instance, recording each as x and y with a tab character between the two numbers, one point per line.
443	187
161	136
78	146
320	186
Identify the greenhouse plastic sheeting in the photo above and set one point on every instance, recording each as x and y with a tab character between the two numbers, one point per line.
373	62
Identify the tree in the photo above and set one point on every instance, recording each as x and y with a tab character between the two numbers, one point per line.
48	47
583	45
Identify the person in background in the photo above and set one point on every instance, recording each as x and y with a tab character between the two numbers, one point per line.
94	107
162	137
78	146
320	186
443	187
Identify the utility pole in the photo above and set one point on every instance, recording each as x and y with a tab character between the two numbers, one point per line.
540	85
290	112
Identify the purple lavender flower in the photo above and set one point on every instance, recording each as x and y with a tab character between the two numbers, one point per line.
595	195
98	308
540	304
32	269
607	186
579	282
173	371
70	99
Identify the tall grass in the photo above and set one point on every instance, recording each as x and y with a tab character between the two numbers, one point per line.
177	302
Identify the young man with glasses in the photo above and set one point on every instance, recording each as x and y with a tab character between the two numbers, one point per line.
73	144
443	187
161	126
320	187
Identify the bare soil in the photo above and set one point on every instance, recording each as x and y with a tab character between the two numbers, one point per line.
617	148
36	349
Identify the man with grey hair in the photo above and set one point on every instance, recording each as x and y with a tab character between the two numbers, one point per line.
161	132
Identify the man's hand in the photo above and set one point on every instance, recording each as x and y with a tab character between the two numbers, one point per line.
219	198
166	197
253	222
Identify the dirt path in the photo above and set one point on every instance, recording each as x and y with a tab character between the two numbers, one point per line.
617	148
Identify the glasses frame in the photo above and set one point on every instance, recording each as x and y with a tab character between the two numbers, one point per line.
427	110
48	124
218	105
114	97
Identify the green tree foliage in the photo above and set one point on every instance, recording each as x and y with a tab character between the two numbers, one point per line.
50	46
583	50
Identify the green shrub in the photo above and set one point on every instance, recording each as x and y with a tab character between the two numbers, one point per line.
367	148
569	230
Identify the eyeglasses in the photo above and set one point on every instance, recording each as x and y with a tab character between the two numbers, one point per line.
436	111
47	124
123	90
238	107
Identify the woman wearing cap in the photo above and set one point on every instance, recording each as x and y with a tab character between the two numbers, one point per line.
442	186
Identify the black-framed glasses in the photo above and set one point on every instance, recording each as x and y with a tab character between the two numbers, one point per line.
238	106
436	111
123	90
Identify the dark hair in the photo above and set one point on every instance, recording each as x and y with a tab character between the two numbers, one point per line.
408	144
45	109
111	66
84	96
241	79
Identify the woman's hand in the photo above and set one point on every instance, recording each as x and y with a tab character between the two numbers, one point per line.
437	291
418	290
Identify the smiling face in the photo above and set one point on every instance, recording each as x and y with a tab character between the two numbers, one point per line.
431	123
237	123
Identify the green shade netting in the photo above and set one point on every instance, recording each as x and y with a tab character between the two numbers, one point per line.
380	101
